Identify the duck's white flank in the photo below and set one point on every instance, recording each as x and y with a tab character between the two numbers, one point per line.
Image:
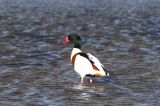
83	66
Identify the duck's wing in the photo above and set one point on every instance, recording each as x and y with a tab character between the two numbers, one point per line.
95	61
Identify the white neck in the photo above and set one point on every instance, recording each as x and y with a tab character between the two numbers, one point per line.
75	51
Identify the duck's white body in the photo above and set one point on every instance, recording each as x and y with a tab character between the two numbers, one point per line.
86	64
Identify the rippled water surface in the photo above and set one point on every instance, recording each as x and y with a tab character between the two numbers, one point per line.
35	69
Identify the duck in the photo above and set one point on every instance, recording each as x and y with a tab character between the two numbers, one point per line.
85	64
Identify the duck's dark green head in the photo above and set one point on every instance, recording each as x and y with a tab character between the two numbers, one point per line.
73	39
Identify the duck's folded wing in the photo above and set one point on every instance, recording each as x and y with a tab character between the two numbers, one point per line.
95	61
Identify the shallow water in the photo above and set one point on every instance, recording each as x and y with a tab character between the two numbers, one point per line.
34	63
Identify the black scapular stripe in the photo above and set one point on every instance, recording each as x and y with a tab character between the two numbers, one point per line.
86	56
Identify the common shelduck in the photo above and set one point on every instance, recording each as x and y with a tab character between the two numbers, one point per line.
85	64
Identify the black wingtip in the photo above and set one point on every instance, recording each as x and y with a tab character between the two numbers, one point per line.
108	74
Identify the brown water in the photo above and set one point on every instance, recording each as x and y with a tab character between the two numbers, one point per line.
34	63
